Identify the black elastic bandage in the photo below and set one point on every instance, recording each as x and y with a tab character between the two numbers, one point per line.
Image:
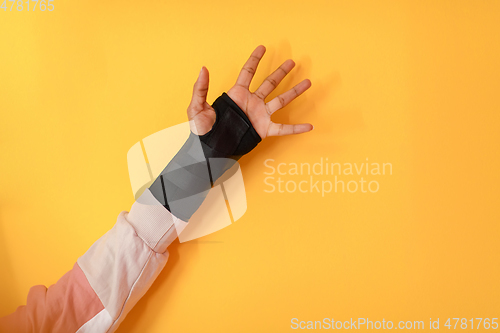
184	183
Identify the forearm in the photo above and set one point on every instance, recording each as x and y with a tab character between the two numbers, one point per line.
118	269
184	183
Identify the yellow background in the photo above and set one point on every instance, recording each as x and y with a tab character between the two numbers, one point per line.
415	84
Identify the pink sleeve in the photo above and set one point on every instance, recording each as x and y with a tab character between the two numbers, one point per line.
107	281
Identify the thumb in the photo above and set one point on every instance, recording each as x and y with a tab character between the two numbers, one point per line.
200	90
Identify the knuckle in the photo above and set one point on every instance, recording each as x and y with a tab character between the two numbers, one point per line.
249	70
259	95
282	101
272	82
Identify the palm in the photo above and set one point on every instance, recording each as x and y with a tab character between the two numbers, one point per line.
202	115
253	106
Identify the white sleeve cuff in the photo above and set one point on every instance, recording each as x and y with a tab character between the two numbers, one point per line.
154	224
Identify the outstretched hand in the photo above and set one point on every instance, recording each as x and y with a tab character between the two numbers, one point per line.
253	104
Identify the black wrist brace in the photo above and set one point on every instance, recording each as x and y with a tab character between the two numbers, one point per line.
184	183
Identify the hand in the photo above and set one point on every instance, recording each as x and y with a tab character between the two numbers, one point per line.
253	104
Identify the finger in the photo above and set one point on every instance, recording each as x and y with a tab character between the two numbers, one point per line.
248	70
272	81
287	129
282	100
200	91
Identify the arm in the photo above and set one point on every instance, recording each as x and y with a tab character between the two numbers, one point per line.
106	282
118	269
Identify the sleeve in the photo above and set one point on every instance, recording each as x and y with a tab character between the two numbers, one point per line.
107	281
118	269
